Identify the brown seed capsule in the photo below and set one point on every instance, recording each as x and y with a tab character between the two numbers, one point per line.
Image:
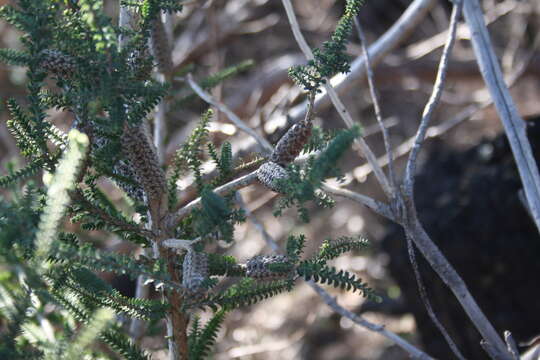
195	270
258	267
269	172
291	144
57	63
139	150
161	49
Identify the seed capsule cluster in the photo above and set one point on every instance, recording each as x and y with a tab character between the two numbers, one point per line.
195	270
258	267
58	63
291	144
269	172
285	151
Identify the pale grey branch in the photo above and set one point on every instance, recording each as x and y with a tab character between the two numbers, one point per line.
514	125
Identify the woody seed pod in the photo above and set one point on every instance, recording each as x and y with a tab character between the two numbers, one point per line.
258	267
195	270
269	172
140	152
57	63
291	144
161	49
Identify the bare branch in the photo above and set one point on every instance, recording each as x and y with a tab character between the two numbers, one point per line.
513	124
432	103
376	105
427	304
265	145
413	351
377	206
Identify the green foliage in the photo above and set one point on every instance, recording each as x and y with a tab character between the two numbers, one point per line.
14	57
332	249
98	322
85	285
319	139
331	59
330	275
224	265
244	293
29	170
295	247
302	185
201	340
224	162
189	157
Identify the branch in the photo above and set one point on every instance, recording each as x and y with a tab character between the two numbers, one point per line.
377	206
413	351
265	145
376	105
514	125
432	103
233	185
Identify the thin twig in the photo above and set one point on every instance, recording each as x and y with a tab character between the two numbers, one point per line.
265	145
514	125
336	101
427	304
511	344
376	206
413	351
376	104
233	185
432	103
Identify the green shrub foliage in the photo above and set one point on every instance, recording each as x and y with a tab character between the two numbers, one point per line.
106	86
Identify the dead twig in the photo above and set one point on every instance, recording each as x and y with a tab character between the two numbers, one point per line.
514	125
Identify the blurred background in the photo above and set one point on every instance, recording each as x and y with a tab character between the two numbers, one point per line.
468	191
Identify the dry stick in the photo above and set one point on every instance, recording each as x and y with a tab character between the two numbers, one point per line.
432	103
376	206
336	101
376	105
427	304
413	351
413	228
411	166
514	125
265	145
414	14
